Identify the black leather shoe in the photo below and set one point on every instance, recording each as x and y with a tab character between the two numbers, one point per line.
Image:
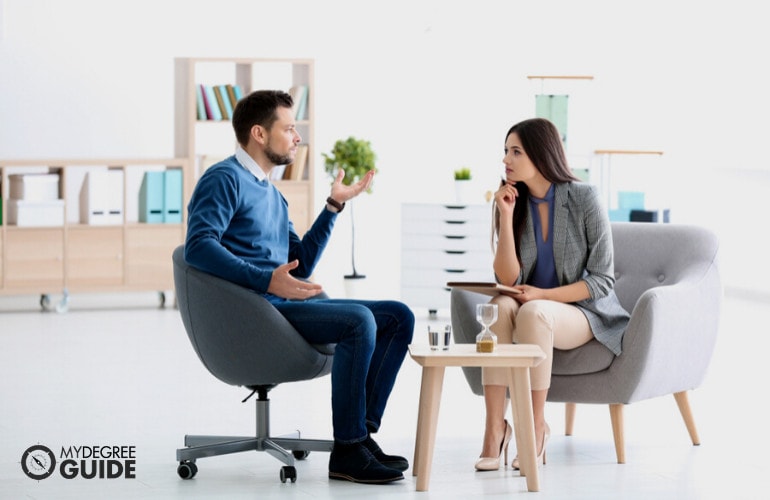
392	461
354	462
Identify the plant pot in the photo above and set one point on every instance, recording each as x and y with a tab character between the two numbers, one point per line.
463	191
354	286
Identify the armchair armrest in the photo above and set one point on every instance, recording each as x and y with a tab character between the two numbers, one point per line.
670	338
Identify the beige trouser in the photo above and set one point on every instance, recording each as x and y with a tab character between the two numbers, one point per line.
546	323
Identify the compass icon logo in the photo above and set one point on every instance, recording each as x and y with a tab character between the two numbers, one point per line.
38	462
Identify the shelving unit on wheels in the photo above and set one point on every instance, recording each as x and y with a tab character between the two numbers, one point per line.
75	225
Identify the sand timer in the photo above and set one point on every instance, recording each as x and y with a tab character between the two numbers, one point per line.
486	314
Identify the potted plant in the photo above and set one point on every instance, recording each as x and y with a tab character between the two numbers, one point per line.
355	157
462	182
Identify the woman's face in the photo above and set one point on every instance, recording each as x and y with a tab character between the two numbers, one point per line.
518	166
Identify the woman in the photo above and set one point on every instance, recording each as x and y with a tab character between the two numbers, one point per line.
553	243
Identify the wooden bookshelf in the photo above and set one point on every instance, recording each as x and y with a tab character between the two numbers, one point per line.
207	141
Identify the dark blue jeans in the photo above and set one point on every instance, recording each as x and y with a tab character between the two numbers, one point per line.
372	339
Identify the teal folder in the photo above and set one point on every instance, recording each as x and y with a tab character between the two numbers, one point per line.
151	197
172	196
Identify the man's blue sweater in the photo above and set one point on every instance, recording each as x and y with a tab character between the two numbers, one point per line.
238	228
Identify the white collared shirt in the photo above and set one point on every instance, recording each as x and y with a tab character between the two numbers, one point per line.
249	164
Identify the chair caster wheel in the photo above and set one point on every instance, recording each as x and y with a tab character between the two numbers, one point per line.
187	470
288	472
300	454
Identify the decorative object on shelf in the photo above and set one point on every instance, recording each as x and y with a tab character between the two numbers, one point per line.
355	157
462	184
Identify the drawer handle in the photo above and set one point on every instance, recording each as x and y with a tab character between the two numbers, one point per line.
454	271
455	252
455	221
454	237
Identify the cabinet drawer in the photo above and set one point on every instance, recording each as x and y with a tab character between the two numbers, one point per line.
94	257
447	260
441	242
422	277
34	259
478	213
148	253
431	297
446	220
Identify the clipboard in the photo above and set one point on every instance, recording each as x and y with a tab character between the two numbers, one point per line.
485	287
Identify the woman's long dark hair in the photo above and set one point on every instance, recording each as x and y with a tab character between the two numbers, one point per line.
541	141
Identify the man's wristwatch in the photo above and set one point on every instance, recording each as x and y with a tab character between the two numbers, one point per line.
336	204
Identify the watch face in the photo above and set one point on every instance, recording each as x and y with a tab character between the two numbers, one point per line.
38	462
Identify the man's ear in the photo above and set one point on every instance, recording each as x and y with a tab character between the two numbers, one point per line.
259	134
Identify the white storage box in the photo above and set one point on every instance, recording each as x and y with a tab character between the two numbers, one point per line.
36	213
101	198
34	187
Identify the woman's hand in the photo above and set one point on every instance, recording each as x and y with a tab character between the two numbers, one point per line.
528	292
505	197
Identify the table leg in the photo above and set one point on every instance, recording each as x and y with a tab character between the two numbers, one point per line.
521	406
427	420
515	421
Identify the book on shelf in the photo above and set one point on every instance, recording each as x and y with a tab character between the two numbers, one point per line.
213	107
221	102
200	103
299	94
295	171
231	94
238	92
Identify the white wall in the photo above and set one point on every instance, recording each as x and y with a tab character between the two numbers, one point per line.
432	84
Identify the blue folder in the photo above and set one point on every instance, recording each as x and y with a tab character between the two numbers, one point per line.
151	195
172	196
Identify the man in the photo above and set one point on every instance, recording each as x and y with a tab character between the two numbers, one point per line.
239	230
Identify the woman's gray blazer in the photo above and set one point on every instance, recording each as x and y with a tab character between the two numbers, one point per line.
582	249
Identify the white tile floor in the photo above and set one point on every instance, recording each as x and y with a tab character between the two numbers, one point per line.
121	372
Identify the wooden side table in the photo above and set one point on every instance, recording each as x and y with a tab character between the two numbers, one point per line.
518	357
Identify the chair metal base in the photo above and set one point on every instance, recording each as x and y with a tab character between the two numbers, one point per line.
285	448
281	447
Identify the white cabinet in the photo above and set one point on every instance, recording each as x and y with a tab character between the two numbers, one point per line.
441	243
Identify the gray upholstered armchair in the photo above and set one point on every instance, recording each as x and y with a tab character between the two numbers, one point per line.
667	277
243	340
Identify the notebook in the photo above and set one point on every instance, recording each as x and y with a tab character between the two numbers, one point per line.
485	287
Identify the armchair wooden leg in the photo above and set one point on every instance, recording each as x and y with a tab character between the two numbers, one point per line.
684	408
616	415
569	418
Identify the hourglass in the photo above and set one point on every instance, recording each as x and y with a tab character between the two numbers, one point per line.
486	314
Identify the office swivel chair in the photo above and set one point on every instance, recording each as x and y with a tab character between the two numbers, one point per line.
243	340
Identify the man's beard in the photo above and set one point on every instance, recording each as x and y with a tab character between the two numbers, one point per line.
277	159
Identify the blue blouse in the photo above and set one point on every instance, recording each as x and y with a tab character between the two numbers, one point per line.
544	274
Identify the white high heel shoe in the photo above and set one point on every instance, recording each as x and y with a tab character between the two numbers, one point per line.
493	463
541	456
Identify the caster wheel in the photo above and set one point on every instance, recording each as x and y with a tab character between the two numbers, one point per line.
62	307
288	472
300	454
187	470
45	302
161	300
